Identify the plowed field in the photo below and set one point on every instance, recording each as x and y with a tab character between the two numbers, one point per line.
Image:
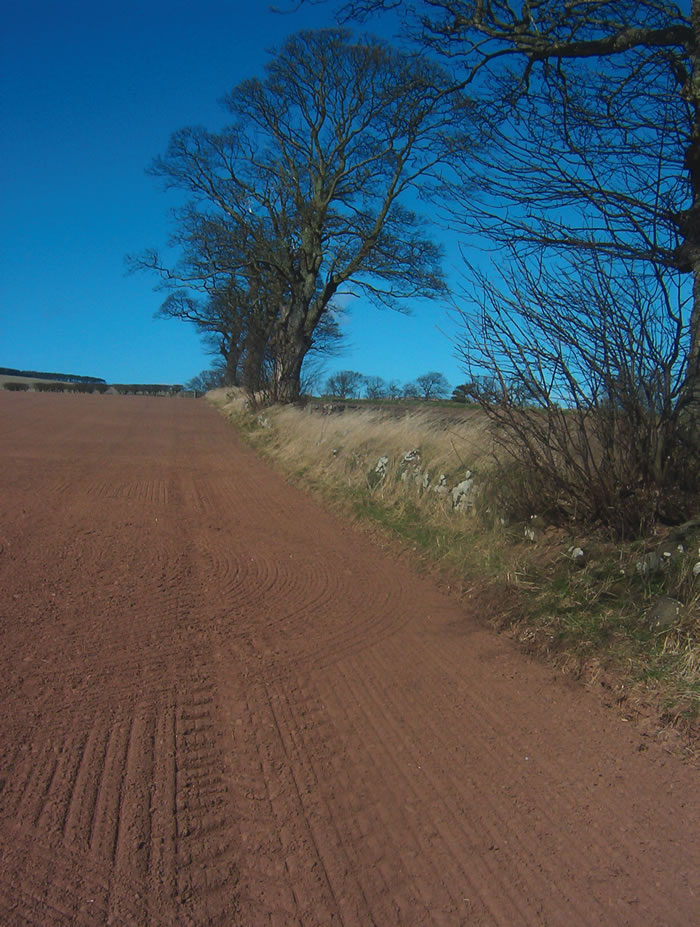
222	705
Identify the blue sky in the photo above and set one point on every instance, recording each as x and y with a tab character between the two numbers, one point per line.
89	94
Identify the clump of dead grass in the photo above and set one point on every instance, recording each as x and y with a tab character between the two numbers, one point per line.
366	435
345	448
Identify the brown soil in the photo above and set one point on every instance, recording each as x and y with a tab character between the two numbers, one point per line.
222	705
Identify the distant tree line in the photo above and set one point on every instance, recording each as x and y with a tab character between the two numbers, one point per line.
60	377
60	386
147	389
99	386
349	384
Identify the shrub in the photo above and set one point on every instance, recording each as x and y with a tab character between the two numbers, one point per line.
50	387
590	390
143	389
17	387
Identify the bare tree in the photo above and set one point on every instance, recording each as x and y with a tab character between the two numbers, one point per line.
345	384
375	387
482	387
304	193
220	285
594	112
313	375
207	379
221	324
433	385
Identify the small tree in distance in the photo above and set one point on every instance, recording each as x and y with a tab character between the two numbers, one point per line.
432	385
346	384
207	379
375	388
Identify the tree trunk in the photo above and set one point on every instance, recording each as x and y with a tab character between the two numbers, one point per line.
692	379
690	228
232	358
253	379
289	361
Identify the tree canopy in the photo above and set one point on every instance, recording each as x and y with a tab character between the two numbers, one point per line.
593	113
305	192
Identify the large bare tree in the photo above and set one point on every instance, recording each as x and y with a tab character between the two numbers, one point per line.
594	113
312	188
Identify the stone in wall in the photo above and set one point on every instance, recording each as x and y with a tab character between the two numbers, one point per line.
463	494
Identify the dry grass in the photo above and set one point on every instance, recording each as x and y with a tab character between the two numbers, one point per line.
349	445
359	439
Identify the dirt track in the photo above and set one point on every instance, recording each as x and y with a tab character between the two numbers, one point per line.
220	705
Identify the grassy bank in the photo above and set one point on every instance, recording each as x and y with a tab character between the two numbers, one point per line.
624	617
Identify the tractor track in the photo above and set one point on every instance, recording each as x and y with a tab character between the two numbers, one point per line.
223	706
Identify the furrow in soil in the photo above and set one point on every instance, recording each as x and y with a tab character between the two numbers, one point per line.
222	705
